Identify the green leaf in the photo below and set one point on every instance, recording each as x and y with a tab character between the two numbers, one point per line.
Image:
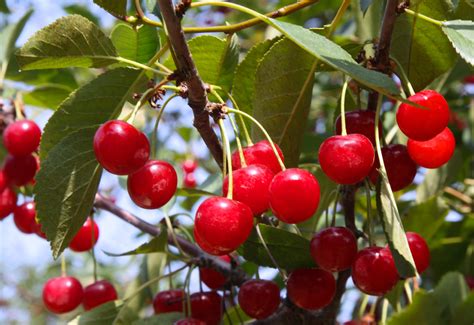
115	7
162	319
47	96
192	192
135	43
10	34
464	313
4	7
282	244
157	244
282	98
76	9
425	218
461	35
101	315
71	41
365	4
236	315
422	311
394	295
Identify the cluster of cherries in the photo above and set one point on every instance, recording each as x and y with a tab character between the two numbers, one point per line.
189	167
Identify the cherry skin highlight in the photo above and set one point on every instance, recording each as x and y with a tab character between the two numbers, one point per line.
83	241
120	148
8	200
169	301
62	294
207	307
433	153
153	185
360	122
374	272
311	288
21	138
98	293
189	166
24	217
334	249
401	169
260	153
20	170
251	187
212	278
346	159
420	251
259	298
423	124
294	195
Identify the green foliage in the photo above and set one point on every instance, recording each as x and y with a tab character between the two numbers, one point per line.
47	96
425	218
162	319
115	7
461	35
135	43
4	7
101	315
235	315
10	34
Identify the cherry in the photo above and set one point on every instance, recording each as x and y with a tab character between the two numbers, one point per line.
153	185
62	294
24	217
346	159
374	272
423	124
259	298
20	170
260	153
433	153
169	301
189	321
190	165
251	187
3	180
470	282
21	138
190	181
420	251
401	170
86	237
38	230
360	122
222	224
120	148
7	202
212	278
207	306
334	249
98	293
208	248
311	288
294	195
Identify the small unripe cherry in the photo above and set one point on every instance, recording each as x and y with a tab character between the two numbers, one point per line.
24	217
169	301
98	293
212	278
207	306
259	298
419	250
260	153
22	137
435	152
189	166
189	180
361	122
86	237
62	294
20	170
8	200
311	288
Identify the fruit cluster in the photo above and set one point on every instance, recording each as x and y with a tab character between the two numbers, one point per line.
189	167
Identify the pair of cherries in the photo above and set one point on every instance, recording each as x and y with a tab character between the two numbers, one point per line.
123	150
189	167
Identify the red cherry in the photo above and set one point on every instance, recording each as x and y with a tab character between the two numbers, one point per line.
259	298
334	249
208	248
189	321
62	294
3	180
21	138
260	153
207	306
189	166
24	217
433	153
222	224
120	148
420	251
98	293
423	124
212	278
311	288
189	181
7	202
169	301
374	272
294	195
38	230
470	282
251	187
20	170
360	122
153	185
346	159
401	169
86	237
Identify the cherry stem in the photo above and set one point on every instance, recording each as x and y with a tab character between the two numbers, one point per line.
154	138
187	302
392	133
63	265
408	292
227	156
170	278
17	102
377	138
282	165
94	260
248	139
404	76
383	319
343	108
259	233
369	213
363	305
173	235
425	18
130	118
237	312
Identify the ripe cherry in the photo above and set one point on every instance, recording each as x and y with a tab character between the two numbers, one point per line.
21	138
169	301
189	321
208	248
3	180
20	170
39	231
62	294
212	278
251	187
423	124
360	122
374	272
153	185
189	166
311	288
401	169
120	148
260	153
24	217
346	159
98	293
86	237
7	202
259	298
223	224
189	181
334	249
207	306
420	251
294	195
433	153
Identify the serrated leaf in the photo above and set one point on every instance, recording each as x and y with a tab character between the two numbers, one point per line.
10	34
115	7
282	244
461	35
101	315
135	43
71	41
47	96
157	244
162	319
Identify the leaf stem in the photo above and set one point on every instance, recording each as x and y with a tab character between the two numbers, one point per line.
173	235
343	108
130	118
248	139
425	18
225	140
141	66
259	233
